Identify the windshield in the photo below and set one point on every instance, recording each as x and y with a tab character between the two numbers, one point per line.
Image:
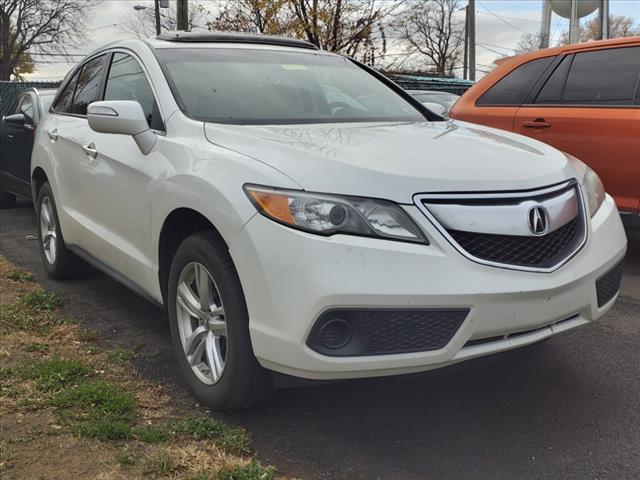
277	87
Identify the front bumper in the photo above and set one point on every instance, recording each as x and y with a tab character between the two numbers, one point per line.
290	278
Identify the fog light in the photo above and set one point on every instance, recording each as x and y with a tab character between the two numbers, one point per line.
336	333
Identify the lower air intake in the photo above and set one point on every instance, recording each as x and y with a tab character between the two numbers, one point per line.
384	332
609	284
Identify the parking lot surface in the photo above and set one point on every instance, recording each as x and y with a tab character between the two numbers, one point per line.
569	408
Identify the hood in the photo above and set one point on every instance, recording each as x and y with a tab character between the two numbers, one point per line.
397	160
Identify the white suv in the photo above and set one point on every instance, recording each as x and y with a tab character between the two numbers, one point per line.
296	212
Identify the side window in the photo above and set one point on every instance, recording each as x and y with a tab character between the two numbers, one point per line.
13	106
552	90
514	88
88	89
26	108
127	81
63	103
606	77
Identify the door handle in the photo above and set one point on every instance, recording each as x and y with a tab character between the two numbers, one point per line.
90	150
537	123
10	137
53	134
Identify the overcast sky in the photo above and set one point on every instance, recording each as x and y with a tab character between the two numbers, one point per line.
499	26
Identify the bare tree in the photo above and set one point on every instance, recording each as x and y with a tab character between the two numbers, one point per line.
529	42
272	17
48	25
619	26
353	27
142	23
432	29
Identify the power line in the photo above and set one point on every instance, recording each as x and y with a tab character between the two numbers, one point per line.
502	19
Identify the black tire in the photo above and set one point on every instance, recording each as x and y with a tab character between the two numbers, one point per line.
243	382
66	264
7	200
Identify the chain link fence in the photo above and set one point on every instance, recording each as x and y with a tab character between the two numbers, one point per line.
8	90
441	84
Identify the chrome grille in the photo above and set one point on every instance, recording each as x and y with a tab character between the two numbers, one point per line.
494	229
544	251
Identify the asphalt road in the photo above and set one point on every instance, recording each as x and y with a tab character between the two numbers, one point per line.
567	409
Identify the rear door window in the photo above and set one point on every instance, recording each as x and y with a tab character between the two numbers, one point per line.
553	89
514	88
603	77
88	89
63	103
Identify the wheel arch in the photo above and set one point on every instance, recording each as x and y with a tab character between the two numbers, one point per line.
177	226
38	178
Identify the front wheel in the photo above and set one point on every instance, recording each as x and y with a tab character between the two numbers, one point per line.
58	261
210	326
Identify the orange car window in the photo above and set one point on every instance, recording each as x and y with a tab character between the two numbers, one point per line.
514	88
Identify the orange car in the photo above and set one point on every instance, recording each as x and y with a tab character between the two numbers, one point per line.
583	99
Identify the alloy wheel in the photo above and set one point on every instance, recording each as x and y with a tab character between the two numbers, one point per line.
48	230
201	323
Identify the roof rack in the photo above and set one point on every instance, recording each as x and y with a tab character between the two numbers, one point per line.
234	37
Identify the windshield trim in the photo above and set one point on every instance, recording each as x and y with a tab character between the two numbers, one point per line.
425	112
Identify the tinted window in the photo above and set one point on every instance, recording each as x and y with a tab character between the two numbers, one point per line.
604	76
514	88
281	87
88	89
26	108
127	81
552	90
13	106
63	104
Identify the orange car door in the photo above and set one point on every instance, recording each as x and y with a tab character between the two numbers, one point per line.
589	108
498	106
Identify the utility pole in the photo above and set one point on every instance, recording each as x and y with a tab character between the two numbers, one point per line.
465	63
471	12
574	23
157	15
604	19
183	15
545	28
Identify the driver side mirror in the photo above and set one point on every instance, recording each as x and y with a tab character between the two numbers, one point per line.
17	119
124	117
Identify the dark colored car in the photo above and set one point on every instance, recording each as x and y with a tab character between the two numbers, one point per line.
17	131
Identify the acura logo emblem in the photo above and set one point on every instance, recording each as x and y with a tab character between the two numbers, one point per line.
538	223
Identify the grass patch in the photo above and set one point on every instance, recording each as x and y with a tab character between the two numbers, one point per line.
37	347
98	410
27	319
204	474
230	439
125	457
154	434
41	300
88	336
20	276
250	471
55	374
160	463
121	355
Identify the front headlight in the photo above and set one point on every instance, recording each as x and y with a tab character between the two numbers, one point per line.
593	190
330	214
